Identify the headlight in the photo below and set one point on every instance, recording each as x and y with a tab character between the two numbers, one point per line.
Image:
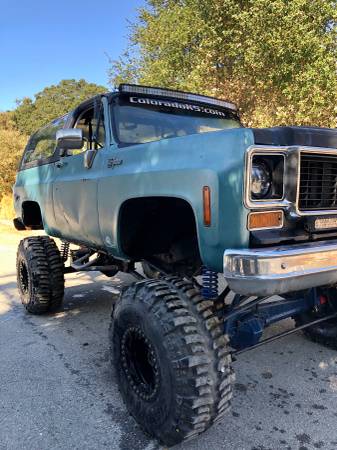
265	178
260	180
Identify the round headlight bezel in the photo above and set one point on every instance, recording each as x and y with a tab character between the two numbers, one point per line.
260	180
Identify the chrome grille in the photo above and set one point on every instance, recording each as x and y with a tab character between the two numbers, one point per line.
318	182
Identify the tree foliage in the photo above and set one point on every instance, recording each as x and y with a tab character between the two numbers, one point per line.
53	102
275	58
12	143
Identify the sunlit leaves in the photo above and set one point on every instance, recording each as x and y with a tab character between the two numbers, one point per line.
53	102
275	58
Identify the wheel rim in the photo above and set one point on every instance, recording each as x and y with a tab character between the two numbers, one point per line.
23	278
140	364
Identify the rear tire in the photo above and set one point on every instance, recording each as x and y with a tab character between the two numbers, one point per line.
40	276
171	359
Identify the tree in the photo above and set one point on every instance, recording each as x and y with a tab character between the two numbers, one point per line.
52	102
275	58
12	143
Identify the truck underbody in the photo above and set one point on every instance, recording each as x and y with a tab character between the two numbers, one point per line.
244	315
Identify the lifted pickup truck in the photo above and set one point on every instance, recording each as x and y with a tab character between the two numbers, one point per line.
173	181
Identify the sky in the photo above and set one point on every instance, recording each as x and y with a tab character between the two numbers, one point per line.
45	41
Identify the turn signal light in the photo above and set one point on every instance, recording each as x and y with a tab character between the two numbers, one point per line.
265	219
206	197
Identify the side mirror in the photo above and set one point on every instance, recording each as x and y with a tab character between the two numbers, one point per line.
69	139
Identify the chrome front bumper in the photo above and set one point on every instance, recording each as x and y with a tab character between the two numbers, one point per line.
278	270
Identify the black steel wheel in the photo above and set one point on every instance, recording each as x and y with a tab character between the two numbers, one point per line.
171	359
40	275
140	362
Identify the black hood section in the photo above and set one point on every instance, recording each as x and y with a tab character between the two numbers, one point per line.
307	136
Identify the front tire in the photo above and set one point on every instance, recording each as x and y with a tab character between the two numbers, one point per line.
150	272
171	359
324	333
40	276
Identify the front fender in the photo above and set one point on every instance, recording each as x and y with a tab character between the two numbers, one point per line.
180	167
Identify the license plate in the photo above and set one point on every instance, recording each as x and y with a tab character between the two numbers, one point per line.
325	222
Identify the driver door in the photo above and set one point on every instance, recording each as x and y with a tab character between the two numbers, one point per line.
75	186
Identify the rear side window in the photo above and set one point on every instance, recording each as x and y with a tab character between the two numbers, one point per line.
42	144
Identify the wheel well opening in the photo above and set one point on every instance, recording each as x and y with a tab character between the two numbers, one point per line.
31	215
159	227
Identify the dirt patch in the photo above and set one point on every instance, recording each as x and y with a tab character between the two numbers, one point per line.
10	236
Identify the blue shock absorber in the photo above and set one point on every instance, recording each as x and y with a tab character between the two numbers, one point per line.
209	284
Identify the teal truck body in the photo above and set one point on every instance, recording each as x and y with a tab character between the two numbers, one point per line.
173	181
176	145
83	205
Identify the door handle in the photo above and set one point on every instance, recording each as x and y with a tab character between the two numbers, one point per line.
60	164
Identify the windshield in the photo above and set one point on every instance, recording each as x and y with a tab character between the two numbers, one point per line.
139	119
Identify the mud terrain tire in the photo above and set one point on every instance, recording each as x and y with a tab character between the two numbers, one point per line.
171	359
324	333
40	275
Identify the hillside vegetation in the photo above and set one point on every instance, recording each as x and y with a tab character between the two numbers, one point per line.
275	58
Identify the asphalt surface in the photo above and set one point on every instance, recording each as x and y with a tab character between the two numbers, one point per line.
57	389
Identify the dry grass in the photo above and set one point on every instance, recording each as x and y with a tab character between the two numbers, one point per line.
10	236
6	207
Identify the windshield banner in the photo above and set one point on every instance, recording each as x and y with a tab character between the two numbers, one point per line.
169	104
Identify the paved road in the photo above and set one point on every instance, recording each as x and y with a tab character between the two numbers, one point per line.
57	390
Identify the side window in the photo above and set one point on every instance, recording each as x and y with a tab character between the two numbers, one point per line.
41	145
93	129
98	124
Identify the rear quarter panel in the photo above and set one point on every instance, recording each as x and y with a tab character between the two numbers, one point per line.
35	184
